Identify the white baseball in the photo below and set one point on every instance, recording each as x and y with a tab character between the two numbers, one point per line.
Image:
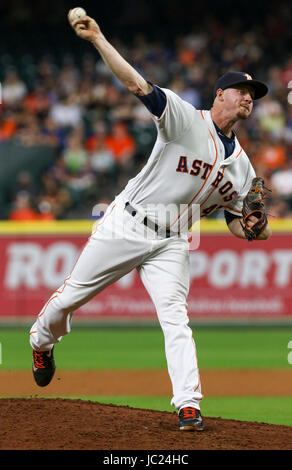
77	13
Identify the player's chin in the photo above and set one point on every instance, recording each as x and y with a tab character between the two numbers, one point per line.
243	113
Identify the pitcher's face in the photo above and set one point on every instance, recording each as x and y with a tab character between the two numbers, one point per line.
238	101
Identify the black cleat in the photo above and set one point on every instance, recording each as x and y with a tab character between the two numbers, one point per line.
190	419
43	367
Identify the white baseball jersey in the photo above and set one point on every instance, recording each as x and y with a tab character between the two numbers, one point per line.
187	166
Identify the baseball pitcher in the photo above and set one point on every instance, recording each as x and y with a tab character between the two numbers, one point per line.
196	161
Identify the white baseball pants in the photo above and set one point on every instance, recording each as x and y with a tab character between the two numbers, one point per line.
118	244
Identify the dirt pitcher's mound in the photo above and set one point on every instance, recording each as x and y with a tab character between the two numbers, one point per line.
49	424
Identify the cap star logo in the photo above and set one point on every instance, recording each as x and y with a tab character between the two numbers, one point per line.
248	77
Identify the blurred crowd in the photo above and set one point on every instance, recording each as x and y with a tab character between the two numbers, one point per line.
102	135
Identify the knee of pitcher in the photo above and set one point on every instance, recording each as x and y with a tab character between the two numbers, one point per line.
63	304
174	316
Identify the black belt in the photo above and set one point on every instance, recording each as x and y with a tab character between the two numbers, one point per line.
148	223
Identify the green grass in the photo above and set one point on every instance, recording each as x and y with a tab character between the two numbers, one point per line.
256	409
261	409
272	410
143	348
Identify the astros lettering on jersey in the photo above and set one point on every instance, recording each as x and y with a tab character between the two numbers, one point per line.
187	165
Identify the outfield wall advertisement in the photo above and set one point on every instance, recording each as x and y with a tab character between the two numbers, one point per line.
229	277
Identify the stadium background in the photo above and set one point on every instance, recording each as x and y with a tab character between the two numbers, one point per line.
71	137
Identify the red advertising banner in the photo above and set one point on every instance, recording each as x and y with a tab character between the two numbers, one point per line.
229	277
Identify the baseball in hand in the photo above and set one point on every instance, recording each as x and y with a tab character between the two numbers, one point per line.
76	13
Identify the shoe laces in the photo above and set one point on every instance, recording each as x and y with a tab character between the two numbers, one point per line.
188	412
39	358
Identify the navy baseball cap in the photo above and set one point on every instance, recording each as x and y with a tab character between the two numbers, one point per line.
229	79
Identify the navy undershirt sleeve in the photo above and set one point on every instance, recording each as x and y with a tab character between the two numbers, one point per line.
229	217
155	101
